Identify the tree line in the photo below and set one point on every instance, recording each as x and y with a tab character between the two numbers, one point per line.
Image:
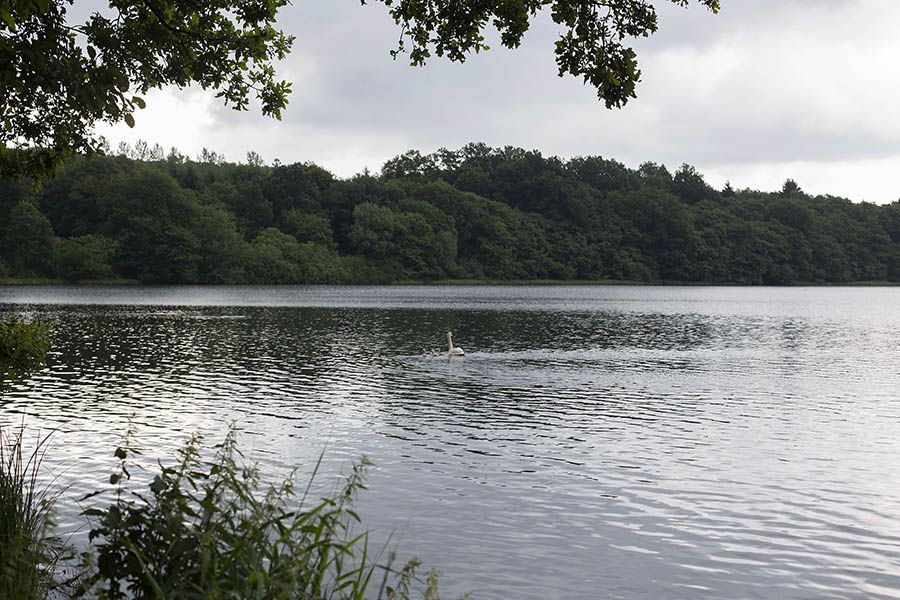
474	213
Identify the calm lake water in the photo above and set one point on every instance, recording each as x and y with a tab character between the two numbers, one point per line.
594	442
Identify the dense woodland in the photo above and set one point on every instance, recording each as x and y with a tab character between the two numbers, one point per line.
475	213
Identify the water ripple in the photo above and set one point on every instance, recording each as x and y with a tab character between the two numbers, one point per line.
594	442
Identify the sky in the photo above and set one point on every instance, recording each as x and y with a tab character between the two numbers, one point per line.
763	91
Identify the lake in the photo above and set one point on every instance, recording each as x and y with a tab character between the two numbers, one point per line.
595	442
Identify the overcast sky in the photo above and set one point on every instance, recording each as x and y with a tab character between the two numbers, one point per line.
763	91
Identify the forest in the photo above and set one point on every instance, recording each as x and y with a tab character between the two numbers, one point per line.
477	213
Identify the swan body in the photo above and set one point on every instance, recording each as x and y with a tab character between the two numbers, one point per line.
451	349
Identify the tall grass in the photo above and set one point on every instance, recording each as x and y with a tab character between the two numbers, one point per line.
204	528
29	550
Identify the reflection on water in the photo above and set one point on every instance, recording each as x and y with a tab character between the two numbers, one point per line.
628	442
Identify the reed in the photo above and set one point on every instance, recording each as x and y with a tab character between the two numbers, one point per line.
29	550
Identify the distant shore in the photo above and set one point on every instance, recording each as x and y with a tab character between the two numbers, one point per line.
455	282
476	216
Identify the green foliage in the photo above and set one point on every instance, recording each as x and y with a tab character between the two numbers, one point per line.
80	258
163	235
58	78
689	185
276	256
473	213
220	255
27	239
374	230
424	247
29	550
23	348
308	228
590	46
210	528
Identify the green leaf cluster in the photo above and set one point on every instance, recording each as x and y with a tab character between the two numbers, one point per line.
23	348
592	45
211	528
206	527
59	78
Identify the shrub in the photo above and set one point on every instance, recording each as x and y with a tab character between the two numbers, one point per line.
23	348
211	529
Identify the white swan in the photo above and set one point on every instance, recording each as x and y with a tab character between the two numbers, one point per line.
451	349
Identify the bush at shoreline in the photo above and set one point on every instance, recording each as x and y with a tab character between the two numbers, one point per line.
205	528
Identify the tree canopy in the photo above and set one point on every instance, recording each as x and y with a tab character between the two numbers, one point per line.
593	43
59	78
473	213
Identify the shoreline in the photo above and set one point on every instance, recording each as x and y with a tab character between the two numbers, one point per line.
40	282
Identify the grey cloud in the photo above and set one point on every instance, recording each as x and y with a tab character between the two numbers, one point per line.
355	86
354	106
